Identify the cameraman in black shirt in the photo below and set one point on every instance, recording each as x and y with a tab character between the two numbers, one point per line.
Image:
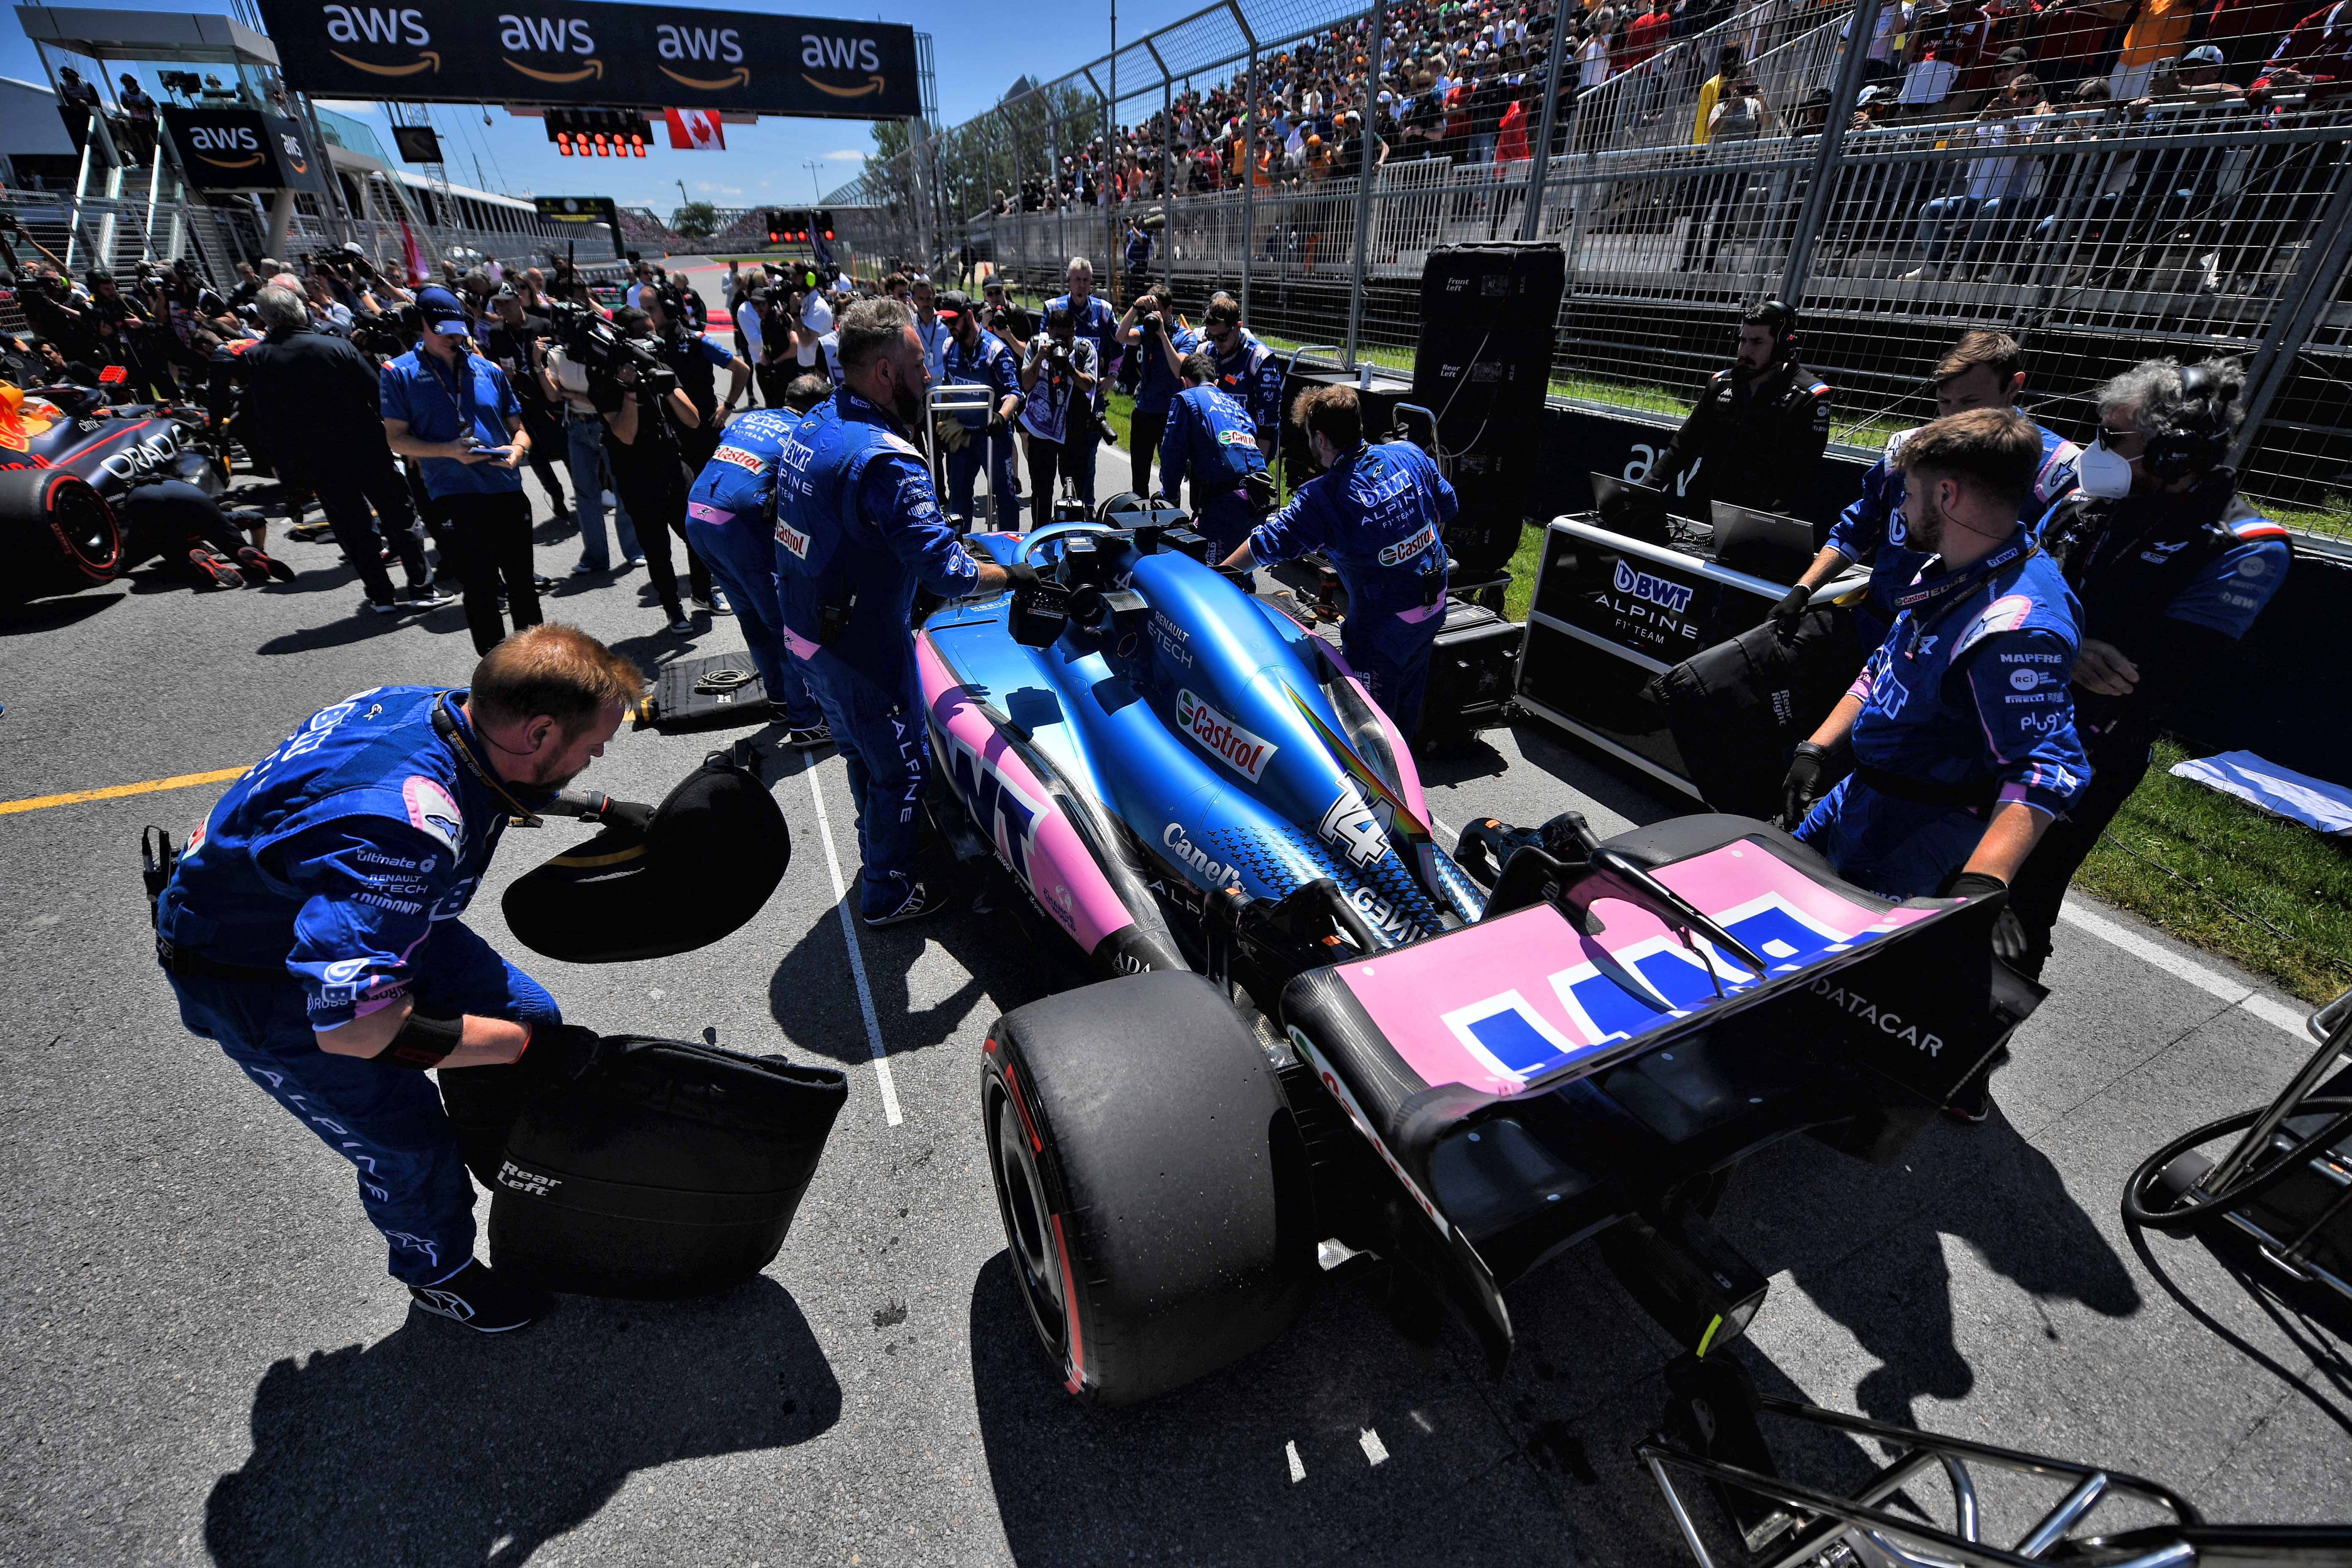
697	360
514	340
643	417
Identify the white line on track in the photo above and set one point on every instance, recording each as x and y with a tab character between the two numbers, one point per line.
2211	981
1297	1469
1375	1451
857	958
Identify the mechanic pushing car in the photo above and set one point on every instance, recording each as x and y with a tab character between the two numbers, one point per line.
1983	370
857	526
311	929
1213	437
2170	567
1961	731
1378	513
727	523
1757	437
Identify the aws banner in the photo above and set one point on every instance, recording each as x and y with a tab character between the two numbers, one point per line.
593	53
240	150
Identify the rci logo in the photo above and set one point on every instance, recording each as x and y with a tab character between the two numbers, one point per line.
1673	596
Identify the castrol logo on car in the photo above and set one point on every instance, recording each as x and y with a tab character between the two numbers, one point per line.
1230	745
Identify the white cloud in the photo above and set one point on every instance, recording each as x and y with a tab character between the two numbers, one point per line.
707	188
859	157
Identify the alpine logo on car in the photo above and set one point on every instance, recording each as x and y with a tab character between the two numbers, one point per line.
1666	596
1193	855
1005	816
1246	753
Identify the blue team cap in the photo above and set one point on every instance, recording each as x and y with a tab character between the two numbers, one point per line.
442	312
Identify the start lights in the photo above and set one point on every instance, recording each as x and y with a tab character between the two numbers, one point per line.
598	133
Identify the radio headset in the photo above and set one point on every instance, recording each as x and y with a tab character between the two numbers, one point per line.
2200	437
1777	315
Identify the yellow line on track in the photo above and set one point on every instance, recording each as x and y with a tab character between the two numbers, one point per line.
116	791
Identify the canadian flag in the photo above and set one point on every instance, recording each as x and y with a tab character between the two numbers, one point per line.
695	130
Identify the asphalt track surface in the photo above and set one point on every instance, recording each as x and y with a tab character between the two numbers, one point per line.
204	1361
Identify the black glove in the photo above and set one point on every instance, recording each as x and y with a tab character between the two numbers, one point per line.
625	813
1020	575
559	1054
996	422
1803	784
2007	931
1791	606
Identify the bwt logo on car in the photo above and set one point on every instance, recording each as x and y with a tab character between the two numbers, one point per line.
1235	747
1666	596
1193	855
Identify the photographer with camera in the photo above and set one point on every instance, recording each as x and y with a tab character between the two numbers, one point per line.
313	410
514	341
1152	330
1092	319
999	315
1213	438
1058	377
977	358
448	406
643	408
127	335
566	381
697	361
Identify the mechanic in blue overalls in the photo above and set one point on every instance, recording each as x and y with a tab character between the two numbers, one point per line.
728	524
1247	371
857	526
974	357
2171	568
1960	725
1213	438
1983	370
1092	319
310	928
1377	513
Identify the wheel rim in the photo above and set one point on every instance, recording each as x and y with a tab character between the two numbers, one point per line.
1028	1223
85	526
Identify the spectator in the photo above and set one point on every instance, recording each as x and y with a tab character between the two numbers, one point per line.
1058	376
2314	49
1727	67
2157	30
138	120
453	409
2068	44
1994	186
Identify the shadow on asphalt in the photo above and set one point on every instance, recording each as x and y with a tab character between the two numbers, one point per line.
359	625
48	615
437	1445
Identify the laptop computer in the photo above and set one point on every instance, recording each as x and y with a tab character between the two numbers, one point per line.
1637	512
1761	544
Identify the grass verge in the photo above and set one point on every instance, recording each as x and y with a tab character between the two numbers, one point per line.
2273	895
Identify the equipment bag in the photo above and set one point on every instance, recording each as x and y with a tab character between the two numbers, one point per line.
1739	708
667	1168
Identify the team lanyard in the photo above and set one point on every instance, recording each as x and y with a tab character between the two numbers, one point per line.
1951	586
460	393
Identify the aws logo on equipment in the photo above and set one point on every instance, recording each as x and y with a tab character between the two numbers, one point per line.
226	147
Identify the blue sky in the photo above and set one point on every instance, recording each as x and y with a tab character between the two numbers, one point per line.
979	50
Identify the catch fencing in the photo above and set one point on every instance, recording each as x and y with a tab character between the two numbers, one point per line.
2100	236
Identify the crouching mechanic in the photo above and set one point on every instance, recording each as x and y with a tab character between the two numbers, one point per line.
311	929
1960	728
1377	513
1983	370
857	526
2171	569
1213	437
728	524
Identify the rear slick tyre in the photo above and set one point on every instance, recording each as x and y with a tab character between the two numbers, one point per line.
1152	1184
63	526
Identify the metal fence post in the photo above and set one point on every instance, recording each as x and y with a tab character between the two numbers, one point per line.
1817	192
1540	175
1364	183
2306	295
1249	178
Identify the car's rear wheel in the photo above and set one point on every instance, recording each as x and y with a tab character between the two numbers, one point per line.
62	534
1152	1184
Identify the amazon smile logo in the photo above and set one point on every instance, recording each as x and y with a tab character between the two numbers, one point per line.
427	60
873	84
587	68
742	77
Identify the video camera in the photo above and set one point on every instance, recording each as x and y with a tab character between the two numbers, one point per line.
593	343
